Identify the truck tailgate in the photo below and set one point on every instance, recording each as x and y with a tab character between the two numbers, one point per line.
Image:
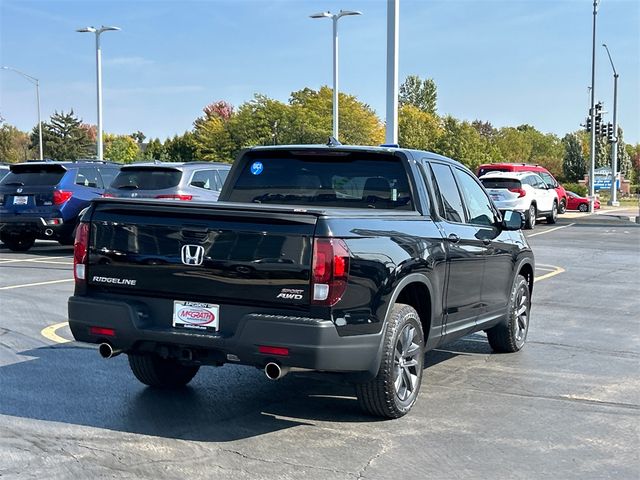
219	253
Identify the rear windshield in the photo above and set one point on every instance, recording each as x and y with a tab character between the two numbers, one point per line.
34	175
352	180
500	183
484	170
147	178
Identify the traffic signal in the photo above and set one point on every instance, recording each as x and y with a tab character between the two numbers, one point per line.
588	124
610	132
597	128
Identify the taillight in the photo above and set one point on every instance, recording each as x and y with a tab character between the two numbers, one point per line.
329	270
108	195
80	247
175	197
61	196
520	191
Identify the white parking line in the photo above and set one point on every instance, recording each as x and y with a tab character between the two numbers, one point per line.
36	260
11	287
550	230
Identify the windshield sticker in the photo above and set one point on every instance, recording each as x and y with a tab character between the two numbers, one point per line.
257	168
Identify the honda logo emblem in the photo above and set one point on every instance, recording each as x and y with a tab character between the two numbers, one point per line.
19	190
192	254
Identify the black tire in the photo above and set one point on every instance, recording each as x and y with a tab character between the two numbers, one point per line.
154	371
583	207
530	221
511	335
395	389
563	206
553	216
18	242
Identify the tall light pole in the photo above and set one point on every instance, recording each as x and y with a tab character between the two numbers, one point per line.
393	27
614	145
97	32
335	17
36	82
592	113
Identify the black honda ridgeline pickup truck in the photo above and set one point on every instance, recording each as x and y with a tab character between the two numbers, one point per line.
350	260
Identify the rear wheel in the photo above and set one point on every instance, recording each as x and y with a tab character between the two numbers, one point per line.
395	389
583	207
553	216
155	371
18	242
531	217
510	336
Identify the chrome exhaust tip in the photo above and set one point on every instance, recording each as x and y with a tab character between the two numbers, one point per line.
48	232
107	351
273	371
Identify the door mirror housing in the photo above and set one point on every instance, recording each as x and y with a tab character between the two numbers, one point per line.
512	220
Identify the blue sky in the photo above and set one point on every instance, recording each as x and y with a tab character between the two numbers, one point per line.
509	62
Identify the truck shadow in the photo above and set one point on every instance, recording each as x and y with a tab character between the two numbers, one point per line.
72	385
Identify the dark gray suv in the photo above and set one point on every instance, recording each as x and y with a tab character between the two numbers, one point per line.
201	181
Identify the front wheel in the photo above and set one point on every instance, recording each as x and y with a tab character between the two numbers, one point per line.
563	207
394	390
18	242
583	207
510	336
155	371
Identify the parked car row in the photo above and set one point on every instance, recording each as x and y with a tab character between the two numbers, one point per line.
43	200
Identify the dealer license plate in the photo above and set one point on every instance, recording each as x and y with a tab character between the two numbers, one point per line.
20	200
495	196
196	315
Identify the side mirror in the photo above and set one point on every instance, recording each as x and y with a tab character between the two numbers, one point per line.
512	220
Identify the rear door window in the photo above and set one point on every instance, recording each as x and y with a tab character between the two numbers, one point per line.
223	173
548	179
155	178
450	204
107	174
34	175
204	179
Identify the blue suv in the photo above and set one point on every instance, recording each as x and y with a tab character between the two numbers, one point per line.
42	200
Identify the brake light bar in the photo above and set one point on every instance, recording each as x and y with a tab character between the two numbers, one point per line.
329	270
107	332
175	197
267	350
80	248
61	196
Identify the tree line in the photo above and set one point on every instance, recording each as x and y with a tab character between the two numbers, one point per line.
223	130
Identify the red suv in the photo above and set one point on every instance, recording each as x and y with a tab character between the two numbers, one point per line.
523	167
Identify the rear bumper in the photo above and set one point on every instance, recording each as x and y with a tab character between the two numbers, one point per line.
40	226
312	343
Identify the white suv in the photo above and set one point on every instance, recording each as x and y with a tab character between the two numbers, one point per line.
522	191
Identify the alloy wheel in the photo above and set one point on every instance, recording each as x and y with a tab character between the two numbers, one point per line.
406	362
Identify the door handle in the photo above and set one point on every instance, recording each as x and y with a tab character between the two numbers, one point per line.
453	238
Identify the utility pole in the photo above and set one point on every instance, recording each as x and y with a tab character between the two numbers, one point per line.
592	165
393	27
614	144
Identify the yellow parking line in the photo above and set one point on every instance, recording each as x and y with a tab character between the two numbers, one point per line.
50	333
11	287
556	271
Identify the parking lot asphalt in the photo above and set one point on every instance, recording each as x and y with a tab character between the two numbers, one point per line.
566	406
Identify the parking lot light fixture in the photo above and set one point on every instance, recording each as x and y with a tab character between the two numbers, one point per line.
36	82
97	32
335	17
614	144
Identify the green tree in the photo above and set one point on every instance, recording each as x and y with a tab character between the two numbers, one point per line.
138	136
462	142
120	148
14	144
64	138
211	134
513	145
311	119
154	150
181	148
574	166
422	94
625	164
417	129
